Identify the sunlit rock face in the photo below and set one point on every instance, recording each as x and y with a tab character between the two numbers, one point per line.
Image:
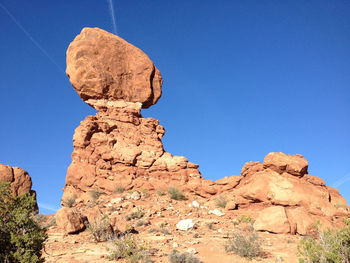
103	66
18	178
118	148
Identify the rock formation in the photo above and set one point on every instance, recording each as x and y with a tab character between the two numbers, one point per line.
118	148
19	179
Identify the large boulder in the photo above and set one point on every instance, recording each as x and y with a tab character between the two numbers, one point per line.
280	162
69	220
20	180
273	219
103	66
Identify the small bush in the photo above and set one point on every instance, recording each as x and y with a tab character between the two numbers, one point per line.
178	257
245	219
162	230
221	201
176	194
211	226
95	194
142	222
330	246
248	246
126	248
135	215
160	192
21	236
101	229
70	201
52	222
119	190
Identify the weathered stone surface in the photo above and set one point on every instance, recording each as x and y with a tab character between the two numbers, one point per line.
103	67
272	219
251	168
287	190
69	220
20	180
280	162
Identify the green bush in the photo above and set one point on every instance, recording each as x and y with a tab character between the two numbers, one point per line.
330	246
21	236
126	248
176	194
178	257
248	245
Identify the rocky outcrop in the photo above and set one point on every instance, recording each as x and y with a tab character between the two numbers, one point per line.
20	180
119	149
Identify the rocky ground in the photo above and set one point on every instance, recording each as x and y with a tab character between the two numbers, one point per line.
155	226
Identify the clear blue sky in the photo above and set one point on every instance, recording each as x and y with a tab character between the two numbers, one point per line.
241	79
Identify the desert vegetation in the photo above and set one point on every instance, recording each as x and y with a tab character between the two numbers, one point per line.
329	246
176	194
178	257
127	248
21	236
246	245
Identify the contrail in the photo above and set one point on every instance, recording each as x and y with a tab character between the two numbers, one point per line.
31	38
341	181
111	10
47	207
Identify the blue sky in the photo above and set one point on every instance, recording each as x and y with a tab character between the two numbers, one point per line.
241	79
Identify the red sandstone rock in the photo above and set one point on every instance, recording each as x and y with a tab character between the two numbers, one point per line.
273	219
119	148
103	67
293	164
69	220
251	168
20	180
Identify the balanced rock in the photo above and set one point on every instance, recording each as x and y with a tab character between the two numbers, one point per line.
103	67
119	149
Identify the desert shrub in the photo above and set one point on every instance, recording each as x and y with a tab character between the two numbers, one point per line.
39	218
160	192
95	194
221	201
142	222
135	215
126	248
52	222
162	230
178	257
69	202
245	219
176	194
211	226
246	245
21	236
330	246
119	189
101	229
